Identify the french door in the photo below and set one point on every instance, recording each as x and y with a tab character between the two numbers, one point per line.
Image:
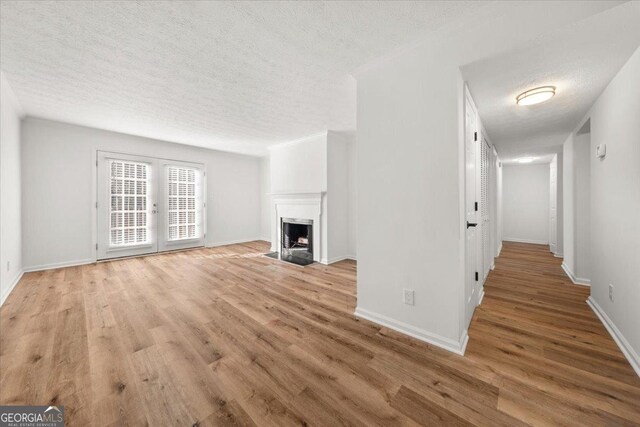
148	205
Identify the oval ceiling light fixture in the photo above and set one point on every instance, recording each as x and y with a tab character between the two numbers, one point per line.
536	96
525	160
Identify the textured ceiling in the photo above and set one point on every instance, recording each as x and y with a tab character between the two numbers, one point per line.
580	60
237	76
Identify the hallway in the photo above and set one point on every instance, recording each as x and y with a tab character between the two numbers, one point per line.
548	346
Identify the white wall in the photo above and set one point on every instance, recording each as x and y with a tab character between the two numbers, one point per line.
408	191
266	205
559	206
338	195
577	222
353	197
615	204
568	202
58	177
582	209
300	166
10	190
525	201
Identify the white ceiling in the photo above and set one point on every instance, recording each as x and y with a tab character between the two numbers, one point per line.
236	76
580	60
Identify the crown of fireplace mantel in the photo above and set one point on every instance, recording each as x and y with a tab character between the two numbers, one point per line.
297	193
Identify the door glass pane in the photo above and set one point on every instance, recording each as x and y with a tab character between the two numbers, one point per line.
128	210
184	202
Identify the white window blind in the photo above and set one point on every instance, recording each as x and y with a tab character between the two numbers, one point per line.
129	197
184	203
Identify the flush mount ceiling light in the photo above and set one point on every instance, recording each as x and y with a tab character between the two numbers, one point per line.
525	160
536	96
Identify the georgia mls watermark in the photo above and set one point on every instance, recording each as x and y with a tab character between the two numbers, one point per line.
31	416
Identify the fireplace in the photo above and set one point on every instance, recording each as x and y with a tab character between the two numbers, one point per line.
302	210
297	238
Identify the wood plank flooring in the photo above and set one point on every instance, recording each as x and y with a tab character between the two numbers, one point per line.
225	336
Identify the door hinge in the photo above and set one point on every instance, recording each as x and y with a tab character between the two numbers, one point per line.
96	246
475	205
475	136
476	276
96	205
96	162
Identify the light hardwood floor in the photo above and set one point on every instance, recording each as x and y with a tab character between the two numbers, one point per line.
226	336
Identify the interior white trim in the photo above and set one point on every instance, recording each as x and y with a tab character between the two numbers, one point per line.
230	242
338	259
481	296
12	286
499	249
558	255
574	279
91	261
535	242
59	265
617	336
457	347
299	205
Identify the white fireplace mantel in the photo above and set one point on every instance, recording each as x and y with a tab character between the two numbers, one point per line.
305	205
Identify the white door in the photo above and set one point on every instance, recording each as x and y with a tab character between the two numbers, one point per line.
127	200
485	218
148	205
181	219
553	214
471	214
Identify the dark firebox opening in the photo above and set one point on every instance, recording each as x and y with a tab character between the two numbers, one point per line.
297	238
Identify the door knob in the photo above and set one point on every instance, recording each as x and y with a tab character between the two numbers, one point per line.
471	224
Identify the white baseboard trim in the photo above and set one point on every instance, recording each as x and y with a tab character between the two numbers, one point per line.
457	347
617	336
11	287
499	249
338	259
230	242
59	265
558	255
574	279
516	240
481	296
91	261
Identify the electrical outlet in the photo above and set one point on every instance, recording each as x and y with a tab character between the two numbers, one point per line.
611	292
408	296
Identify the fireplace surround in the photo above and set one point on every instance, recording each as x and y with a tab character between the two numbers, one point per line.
306	207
